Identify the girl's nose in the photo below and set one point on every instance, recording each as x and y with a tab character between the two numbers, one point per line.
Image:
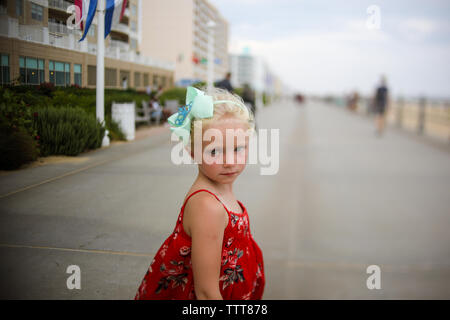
229	160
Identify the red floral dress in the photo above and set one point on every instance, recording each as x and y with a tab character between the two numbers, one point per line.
170	274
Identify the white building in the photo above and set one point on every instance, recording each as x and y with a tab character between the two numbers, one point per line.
176	30
254	71
37	45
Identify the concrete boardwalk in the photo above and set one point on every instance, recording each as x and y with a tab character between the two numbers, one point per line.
342	200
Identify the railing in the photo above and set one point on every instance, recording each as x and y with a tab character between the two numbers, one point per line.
66	42
135	58
121	27
30	33
426	117
119	44
92	48
59	4
422	116
201	41
58	35
59	28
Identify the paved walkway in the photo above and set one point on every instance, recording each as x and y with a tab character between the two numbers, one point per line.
343	199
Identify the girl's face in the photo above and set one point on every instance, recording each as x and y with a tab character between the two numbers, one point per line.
218	164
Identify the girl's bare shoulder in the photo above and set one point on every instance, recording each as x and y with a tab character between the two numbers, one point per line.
203	203
203	209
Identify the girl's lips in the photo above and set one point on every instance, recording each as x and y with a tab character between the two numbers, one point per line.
228	174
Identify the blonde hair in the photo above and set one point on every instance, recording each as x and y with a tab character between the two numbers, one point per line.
225	108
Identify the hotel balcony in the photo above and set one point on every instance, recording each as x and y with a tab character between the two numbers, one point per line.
123	28
59	28
60	5
119	44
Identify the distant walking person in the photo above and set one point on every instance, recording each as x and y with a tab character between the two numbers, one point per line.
248	95
157	111
380	105
225	83
124	83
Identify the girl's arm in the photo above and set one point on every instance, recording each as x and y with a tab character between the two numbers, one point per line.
206	220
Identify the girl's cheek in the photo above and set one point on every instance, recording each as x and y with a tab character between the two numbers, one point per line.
211	160
241	157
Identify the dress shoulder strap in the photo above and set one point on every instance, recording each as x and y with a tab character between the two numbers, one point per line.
197	191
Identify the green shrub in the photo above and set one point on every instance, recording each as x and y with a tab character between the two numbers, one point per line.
18	138
114	130
238	91
173	94
67	131
21	97
199	85
266	99
17	147
16	113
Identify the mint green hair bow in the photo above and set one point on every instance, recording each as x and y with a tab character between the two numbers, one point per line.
198	106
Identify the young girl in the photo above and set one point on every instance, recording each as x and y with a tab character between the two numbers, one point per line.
211	253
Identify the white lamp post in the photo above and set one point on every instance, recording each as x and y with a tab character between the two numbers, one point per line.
100	92
211	25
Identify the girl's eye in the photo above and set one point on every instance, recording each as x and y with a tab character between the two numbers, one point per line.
239	149
214	151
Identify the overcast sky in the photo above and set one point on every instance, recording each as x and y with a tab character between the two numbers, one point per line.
318	46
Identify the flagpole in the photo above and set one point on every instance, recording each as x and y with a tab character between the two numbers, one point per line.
100	93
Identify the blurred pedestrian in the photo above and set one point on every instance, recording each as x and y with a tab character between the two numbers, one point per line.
157	111
248	95
352	103
225	83
124	83
159	92
380	105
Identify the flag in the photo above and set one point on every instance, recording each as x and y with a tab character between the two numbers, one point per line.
87	9
114	13
79	14
89	6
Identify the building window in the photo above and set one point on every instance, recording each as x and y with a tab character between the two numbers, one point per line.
137	79
155	80
67	72
37	12
163	81
110	77
4	69
59	73
77	74
125	78
146	80
31	70
19	8
92	75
